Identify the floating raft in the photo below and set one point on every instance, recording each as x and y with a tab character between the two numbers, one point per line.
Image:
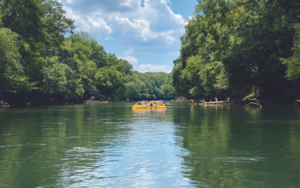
150	108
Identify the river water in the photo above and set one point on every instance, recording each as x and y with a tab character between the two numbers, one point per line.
110	145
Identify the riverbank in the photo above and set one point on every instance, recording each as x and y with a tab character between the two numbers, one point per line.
254	101
49	102
56	102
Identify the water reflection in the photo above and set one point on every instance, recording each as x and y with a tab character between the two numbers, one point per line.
110	145
230	146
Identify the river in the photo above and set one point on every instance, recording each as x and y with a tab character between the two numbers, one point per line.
110	145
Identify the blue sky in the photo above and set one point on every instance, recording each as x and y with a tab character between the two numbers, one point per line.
144	32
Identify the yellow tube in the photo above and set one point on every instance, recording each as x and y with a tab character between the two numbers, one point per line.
139	107
145	107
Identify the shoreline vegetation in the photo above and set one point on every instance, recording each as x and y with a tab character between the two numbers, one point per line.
241	49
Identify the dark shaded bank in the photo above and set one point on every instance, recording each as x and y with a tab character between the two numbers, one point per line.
246	102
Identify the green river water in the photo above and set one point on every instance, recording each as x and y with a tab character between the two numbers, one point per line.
110	145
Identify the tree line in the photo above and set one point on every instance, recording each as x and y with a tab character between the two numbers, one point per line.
38	63
239	49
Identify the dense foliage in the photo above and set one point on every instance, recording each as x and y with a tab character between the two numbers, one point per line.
38	63
293	63
236	49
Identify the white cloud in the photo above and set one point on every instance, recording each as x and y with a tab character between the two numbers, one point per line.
154	25
92	23
132	60
153	68
151	27
99	24
127	3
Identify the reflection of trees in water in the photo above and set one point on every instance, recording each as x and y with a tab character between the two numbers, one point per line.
147	112
294	140
205	134
40	146
232	146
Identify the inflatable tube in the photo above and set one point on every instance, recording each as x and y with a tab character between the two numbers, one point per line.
145	107
140	107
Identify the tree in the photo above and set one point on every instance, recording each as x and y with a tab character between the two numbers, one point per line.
12	77
293	63
234	48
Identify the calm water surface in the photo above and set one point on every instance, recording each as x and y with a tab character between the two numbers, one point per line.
109	145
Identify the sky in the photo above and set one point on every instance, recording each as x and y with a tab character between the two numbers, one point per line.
144	32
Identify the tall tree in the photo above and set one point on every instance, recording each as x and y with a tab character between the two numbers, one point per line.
234	48
12	77
293	63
